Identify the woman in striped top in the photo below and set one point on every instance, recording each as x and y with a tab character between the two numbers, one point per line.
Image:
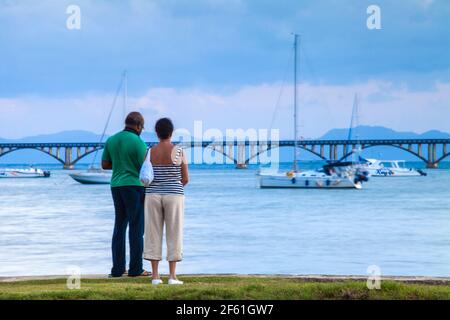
164	202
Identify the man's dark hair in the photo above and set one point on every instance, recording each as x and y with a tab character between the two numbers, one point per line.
164	128
134	119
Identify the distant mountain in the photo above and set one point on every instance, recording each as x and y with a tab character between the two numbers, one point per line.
71	136
64	137
33	156
377	132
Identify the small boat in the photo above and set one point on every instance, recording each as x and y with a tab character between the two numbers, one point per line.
241	166
93	176
330	176
389	168
24	173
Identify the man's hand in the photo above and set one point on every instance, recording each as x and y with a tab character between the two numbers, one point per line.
106	165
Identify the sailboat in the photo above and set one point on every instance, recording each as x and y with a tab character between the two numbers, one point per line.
332	175
96	175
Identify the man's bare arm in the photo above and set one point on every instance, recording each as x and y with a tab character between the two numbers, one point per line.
106	165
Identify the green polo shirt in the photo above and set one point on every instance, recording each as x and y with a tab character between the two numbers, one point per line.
126	151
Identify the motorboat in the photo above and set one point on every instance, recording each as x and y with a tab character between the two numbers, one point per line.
24	173
389	168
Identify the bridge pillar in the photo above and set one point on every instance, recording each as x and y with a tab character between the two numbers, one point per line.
68	159
1	151
434	152
78	152
240	155
322	151
262	147
253	153
444	149
432	156
344	149
419	149
230	153
410	147
331	152
335	151
58	149
430	153
432	165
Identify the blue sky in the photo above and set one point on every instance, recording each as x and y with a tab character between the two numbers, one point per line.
224	62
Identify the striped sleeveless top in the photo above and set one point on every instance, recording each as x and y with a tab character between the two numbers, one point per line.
167	178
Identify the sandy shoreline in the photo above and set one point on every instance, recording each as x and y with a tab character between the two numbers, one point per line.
315	278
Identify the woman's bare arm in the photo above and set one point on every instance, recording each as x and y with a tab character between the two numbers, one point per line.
184	170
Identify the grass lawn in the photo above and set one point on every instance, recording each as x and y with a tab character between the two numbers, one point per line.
220	287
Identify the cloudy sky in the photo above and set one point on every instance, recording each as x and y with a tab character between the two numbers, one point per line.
227	63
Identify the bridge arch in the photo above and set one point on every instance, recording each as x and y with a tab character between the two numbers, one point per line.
86	154
31	148
389	145
210	146
443	157
274	146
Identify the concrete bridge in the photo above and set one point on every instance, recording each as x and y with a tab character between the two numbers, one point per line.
431	151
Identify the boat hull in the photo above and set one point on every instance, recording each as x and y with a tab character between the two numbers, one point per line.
91	178
394	173
24	174
284	181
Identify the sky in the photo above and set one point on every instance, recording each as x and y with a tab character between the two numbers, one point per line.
226	63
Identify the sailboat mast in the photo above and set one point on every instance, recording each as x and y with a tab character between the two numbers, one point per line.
295	104
125	94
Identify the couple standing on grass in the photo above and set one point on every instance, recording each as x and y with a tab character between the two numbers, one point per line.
146	208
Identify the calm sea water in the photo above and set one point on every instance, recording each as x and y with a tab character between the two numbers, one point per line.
400	224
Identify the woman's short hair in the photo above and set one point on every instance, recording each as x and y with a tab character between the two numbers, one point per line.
164	128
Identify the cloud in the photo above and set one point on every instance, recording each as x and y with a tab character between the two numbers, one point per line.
321	107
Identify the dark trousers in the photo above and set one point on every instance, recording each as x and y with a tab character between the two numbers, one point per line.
129	208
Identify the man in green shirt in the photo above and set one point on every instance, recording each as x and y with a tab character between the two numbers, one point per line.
124	153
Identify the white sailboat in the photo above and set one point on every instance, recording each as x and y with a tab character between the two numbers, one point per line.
338	175
95	175
92	176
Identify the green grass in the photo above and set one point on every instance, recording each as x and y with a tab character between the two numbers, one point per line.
220	287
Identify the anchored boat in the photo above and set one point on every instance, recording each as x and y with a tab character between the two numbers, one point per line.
93	176
24	173
332	175
389	168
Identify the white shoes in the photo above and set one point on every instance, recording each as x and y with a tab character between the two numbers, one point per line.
175	281
156	282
